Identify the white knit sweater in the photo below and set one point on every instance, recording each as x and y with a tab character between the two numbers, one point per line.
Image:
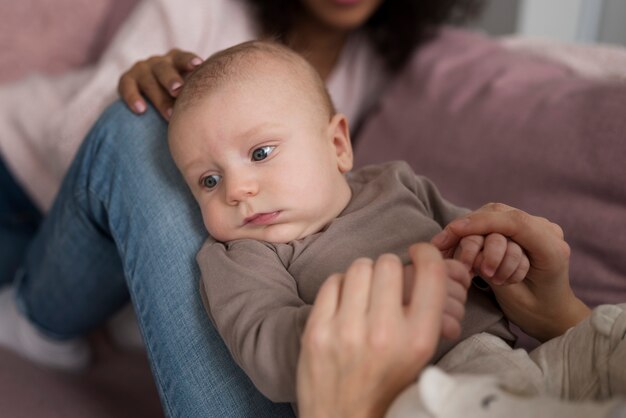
43	119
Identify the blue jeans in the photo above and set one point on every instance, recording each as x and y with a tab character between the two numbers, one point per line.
125	223
19	220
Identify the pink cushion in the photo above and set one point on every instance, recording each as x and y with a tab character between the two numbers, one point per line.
489	125
53	36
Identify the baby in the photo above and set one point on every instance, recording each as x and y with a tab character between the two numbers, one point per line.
268	159
266	156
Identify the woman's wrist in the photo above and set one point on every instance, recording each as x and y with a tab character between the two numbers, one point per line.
574	313
577	313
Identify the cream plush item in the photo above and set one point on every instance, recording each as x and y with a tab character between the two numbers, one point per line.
440	395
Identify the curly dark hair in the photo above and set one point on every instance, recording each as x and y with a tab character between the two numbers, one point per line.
395	29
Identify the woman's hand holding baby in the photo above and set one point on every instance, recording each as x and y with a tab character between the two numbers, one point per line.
362	345
159	79
543	305
457	282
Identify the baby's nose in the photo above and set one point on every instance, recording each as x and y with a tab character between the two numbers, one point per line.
240	188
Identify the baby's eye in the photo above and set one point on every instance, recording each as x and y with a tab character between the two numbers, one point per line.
211	181
262	153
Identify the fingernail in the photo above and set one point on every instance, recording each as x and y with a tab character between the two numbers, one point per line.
489	271
440	238
176	86
139	106
195	62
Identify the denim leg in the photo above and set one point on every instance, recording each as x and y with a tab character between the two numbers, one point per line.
19	220
124	207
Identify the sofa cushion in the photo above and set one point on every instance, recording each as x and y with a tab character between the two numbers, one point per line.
487	124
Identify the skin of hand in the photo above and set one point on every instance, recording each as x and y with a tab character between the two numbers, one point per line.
362	346
457	283
543	305
158	78
495	258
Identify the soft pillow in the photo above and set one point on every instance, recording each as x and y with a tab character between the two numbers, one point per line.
487	124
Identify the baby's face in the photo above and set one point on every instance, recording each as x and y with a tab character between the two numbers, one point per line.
261	163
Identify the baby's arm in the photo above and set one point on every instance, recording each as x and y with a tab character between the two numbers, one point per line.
543	305
255	306
254	303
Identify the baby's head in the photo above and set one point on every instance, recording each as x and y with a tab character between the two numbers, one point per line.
258	141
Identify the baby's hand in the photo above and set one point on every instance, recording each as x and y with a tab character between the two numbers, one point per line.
529	304
495	258
457	282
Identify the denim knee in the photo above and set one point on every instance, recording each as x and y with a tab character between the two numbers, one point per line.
123	145
125	134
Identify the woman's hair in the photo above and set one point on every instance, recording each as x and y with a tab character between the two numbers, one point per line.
395	29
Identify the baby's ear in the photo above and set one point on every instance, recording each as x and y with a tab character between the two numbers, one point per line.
339	133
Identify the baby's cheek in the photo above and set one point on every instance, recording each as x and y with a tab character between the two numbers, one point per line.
208	225
211	221
221	230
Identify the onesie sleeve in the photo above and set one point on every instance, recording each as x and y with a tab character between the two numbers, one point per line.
253	302
441	210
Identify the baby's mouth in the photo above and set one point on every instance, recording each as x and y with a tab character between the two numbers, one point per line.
261	218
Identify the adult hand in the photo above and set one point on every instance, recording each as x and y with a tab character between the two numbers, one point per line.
362	345
158	78
458	281
543	305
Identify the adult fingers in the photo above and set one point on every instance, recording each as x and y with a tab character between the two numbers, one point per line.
387	284
170	69
429	288
356	289
318	338
327	299
425	310
128	90
157	94
450	236
168	77
184	61
141	80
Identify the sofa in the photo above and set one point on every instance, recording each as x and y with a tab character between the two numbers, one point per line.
485	119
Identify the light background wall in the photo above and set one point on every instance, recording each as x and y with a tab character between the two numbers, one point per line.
565	20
